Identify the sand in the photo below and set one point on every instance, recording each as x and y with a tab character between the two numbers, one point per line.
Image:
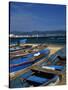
54	48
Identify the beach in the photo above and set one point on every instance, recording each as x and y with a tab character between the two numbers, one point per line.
52	48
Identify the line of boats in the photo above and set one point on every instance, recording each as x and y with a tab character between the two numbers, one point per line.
42	74
28	59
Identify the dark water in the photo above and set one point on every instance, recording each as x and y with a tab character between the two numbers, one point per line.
47	40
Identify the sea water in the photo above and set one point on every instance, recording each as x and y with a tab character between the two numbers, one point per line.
47	40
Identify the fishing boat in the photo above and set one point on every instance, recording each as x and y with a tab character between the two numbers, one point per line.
33	78
19	51
56	61
28	59
15	48
36	78
18	54
61	53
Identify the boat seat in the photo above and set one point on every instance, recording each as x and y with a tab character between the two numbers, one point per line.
37	79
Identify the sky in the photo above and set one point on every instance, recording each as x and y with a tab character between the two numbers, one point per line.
27	17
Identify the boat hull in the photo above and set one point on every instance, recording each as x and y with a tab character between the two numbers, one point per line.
32	60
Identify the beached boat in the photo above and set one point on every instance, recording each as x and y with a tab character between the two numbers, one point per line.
15	48
18	54
19	51
36	78
56	61
61	53
29	59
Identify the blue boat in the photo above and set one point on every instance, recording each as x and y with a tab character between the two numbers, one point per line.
35	78
56	61
23	62
61	53
15	48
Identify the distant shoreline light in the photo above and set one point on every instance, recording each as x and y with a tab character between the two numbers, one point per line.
35	35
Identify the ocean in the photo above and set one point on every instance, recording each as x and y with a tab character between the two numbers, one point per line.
60	40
